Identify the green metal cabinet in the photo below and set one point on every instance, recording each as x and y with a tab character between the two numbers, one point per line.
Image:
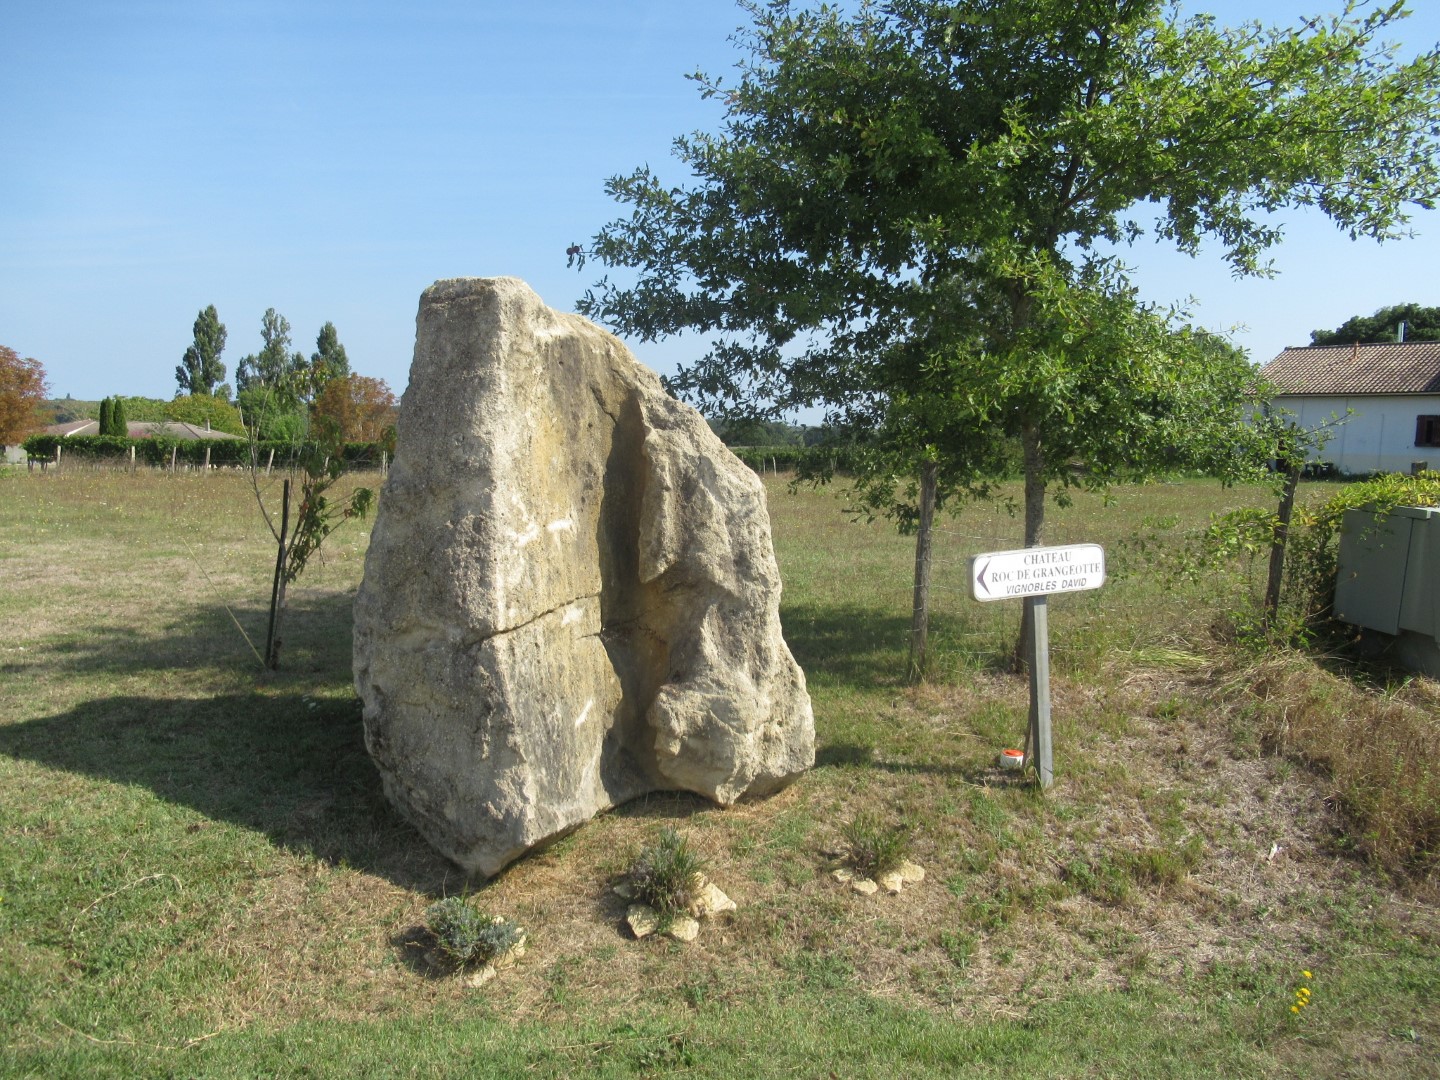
1389	574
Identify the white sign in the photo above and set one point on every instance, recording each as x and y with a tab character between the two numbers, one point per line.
1039	571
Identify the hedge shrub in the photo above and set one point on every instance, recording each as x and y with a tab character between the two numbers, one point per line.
156	450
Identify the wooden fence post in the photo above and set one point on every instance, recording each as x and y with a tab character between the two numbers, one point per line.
920	607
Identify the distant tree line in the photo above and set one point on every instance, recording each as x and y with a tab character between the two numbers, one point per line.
1420	324
280	394
753	432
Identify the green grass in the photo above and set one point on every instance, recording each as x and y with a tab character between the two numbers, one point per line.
200	876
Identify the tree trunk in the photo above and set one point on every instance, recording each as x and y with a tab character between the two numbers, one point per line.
1277	546
920	611
1034	528
277	588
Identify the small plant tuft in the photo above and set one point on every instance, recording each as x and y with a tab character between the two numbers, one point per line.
875	847
465	936
667	874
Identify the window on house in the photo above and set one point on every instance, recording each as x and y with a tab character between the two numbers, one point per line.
1427	431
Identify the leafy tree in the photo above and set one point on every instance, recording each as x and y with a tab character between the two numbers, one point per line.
202	409
328	361
275	367
1421	324
354	408
272	385
22	391
119	425
901	215
200	370
107	422
273	416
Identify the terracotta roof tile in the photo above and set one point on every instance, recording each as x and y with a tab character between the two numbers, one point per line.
1391	368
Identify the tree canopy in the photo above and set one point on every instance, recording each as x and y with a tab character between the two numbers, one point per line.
200	370
22	392
904	214
1421	324
203	409
274	367
328	361
354	408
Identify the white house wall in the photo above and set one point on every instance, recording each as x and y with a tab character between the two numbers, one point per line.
1379	435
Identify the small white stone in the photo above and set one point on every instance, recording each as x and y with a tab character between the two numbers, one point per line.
479	978
510	955
864	886
891	882
683	929
911	873
643	920
711	901
624	890
843	875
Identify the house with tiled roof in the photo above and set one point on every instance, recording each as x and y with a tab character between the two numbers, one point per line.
142	429
1390	391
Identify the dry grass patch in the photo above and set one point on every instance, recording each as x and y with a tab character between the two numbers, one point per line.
1378	744
1180	868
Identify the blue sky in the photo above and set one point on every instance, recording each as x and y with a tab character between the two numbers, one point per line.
331	160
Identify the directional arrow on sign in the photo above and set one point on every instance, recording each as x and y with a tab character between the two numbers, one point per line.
980	568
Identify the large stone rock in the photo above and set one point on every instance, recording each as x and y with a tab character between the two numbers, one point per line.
571	597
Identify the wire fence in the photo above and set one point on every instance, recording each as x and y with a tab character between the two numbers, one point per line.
1142	608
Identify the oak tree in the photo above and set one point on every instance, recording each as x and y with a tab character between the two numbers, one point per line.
906	214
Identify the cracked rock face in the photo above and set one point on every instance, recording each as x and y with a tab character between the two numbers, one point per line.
570	597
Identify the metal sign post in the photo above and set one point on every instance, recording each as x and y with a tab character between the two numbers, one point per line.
1034	574
1037	736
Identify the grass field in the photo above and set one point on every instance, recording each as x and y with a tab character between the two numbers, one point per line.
200	877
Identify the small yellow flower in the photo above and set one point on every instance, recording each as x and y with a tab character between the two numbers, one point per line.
1295	1008
1307	974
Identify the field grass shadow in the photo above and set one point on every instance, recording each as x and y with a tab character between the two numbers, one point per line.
848	646
864	648
286	765
315	636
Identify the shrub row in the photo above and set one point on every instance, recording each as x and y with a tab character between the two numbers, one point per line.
157	450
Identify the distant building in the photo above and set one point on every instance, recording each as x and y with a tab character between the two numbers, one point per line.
1391	390
141	429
